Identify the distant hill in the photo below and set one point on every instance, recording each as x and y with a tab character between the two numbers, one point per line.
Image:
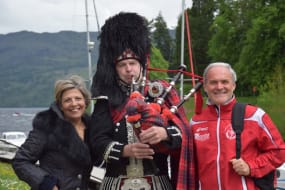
31	62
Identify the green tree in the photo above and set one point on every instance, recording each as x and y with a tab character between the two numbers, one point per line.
264	47
233	19
222	28
161	38
229	40
200	18
272	98
157	61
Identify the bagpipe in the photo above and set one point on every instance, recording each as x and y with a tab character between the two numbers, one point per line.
143	115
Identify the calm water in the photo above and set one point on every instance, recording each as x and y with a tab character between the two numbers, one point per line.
17	119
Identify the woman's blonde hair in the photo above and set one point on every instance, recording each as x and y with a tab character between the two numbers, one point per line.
71	82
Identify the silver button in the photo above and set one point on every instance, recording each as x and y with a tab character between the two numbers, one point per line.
79	176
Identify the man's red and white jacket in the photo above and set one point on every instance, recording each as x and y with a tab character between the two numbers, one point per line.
214	141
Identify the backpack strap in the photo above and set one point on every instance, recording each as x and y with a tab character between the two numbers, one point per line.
237	124
267	181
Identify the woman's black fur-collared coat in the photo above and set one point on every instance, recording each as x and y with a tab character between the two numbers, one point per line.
63	157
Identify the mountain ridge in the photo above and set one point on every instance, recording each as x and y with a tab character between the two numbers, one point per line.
31	62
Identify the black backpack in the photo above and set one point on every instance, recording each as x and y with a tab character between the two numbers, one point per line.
266	182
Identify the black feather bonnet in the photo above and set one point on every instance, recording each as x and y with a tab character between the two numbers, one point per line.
124	31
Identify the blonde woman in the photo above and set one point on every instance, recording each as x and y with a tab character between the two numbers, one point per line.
58	141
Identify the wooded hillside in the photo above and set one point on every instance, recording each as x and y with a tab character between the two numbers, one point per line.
31	62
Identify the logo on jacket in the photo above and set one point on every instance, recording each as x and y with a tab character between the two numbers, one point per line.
202	134
230	133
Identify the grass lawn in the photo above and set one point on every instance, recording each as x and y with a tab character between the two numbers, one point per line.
8	179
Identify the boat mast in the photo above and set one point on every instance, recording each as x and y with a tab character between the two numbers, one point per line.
90	46
95	10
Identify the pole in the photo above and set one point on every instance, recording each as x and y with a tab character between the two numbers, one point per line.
98	25
190	48
90	46
182	49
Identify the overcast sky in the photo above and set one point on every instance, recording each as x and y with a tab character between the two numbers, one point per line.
58	15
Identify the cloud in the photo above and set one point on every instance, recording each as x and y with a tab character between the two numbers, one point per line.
58	15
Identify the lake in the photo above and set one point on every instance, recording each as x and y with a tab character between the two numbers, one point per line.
17	119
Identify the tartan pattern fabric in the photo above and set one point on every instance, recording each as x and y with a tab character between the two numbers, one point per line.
186	175
183	170
147	114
